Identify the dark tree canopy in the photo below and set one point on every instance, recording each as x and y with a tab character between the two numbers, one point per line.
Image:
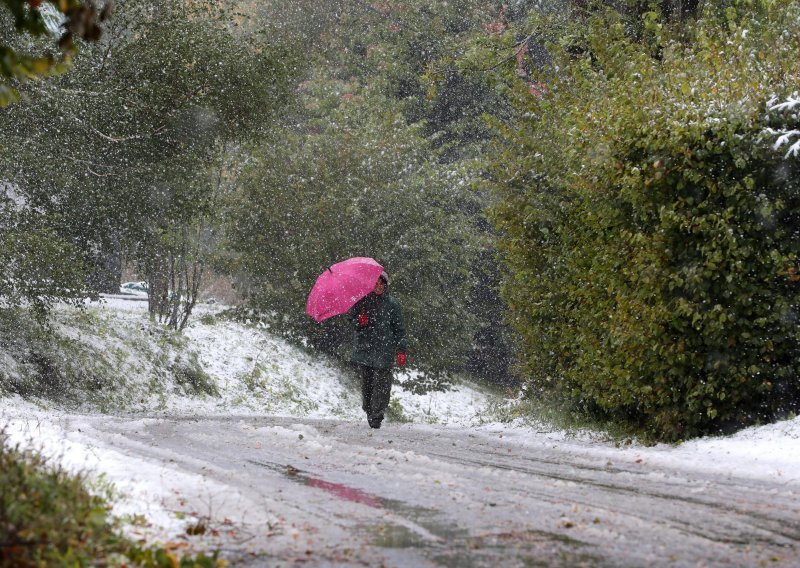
69	20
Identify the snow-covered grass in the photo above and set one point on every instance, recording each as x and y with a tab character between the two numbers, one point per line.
215	367
243	369
770	451
251	371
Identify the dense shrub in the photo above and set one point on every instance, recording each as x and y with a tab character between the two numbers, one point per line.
651	226
46	516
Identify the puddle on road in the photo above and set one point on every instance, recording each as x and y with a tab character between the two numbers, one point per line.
424	526
339	490
443	542
419	515
346	493
395	536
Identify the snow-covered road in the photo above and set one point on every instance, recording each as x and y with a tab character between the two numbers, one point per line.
290	491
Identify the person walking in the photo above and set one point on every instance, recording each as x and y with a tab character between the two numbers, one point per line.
379	341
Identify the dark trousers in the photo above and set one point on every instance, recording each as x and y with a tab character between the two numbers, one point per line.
376	390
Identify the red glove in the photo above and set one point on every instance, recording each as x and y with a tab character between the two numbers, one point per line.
363	319
401	359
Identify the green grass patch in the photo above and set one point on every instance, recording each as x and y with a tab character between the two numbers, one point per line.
395	412
208	319
194	380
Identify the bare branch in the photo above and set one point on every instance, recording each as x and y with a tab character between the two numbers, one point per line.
94	173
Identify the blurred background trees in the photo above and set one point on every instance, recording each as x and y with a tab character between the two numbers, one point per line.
126	154
594	201
372	161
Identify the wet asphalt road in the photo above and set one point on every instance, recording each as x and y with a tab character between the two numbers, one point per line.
299	492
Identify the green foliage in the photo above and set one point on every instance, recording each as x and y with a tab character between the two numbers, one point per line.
208	319
395	412
160	557
223	88
190	375
37	266
381	113
651	229
140	139
351	180
255	380
407	49
141	149
48	518
81	20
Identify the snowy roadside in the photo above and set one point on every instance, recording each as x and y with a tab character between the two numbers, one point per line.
140	489
168	497
258	374
254	372
770	452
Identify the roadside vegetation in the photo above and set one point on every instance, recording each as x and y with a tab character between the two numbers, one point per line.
648	214
87	358
49	517
595	207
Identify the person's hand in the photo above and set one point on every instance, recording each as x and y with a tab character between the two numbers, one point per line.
401	359
363	319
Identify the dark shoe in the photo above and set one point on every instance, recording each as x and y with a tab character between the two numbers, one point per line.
374	424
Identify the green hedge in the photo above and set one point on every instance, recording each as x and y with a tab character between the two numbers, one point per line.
653	235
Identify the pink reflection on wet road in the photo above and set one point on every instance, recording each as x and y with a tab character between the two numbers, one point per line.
346	493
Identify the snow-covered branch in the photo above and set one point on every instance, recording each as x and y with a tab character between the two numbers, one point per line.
785	138
789	104
785	135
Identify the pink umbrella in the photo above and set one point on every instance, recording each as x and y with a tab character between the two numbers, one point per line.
341	286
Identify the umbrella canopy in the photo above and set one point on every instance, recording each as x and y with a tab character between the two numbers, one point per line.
341	286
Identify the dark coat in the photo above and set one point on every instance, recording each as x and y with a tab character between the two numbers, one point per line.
384	335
